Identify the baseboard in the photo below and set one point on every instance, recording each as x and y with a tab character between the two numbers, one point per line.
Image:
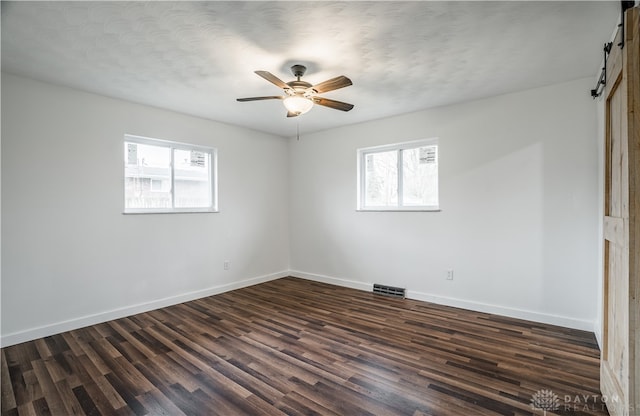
353	284
564	321
58	327
597	330
545	318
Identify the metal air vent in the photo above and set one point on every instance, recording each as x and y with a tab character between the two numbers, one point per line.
396	292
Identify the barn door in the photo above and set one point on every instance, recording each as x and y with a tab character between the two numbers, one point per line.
620	362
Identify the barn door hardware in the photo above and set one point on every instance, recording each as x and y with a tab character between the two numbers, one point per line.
602	80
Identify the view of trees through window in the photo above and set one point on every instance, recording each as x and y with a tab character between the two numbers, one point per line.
400	176
420	176
382	179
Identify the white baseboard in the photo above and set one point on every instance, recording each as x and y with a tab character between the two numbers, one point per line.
534	316
564	321
58	327
353	284
597	330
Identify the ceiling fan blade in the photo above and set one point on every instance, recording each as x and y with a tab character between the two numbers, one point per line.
332	84
337	105
270	97
292	114
273	79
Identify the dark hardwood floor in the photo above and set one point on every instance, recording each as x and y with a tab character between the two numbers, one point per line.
295	347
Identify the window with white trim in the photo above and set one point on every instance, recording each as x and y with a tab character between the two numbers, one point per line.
164	176
399	177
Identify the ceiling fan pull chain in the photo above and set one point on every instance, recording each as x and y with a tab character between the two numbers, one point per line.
298	129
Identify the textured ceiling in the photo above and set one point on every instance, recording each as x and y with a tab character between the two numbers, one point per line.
197	57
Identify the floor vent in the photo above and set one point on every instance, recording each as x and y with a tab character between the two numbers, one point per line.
396	292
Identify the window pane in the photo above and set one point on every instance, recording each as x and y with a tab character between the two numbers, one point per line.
147	176
381	187
420	176
192	183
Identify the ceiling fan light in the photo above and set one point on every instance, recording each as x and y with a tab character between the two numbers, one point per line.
297	104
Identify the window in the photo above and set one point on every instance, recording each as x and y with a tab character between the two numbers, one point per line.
399	177
163	176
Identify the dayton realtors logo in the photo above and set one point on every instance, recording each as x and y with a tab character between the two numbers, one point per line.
545	400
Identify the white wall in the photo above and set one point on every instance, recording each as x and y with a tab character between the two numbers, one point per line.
519	199
519	219
71	258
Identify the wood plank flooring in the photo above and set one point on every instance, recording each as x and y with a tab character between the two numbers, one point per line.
296	347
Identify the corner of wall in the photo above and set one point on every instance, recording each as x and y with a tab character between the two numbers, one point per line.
353	284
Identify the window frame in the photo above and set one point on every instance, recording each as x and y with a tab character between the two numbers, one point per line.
399	147
173	145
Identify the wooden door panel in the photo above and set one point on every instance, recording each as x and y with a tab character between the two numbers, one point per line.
633	226
620	372
618	334
615	107
614	365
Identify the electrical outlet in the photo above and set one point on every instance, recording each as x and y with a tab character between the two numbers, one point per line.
450	274
226	264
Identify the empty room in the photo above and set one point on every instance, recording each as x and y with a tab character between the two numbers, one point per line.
320	208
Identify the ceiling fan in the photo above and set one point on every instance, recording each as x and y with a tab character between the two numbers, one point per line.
300	96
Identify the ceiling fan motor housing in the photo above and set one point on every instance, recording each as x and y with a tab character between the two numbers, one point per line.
298	70
298	87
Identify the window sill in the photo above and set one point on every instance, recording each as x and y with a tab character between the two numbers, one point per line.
208	211
398	210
